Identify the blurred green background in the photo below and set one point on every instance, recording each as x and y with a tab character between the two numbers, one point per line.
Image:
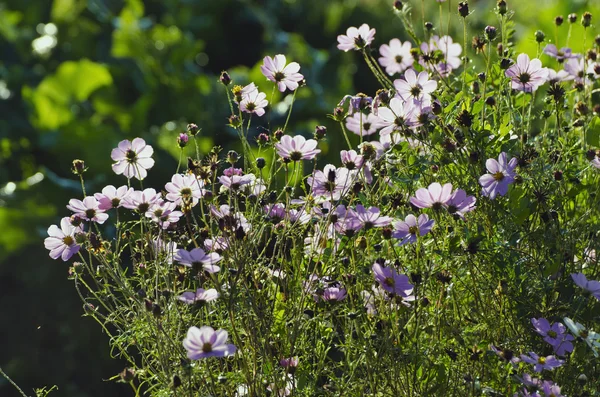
78	76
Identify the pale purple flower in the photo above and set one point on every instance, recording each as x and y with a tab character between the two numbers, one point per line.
357	102
416	88
230	221
132	158
505	354
231	171
576	68
459	203
396	56
234	182
542	363
356	39
398	115
411	227
61	241
370	124
141	200
435	196
594	69
111	197
334	294
596	161
450	50
164	213
351	159
527	75
185	190
591	286
254	102
591	338
332	183
551	389
501	174
320	239
370	218
560	55
297	148
300	216
197	258
205	342
555	334
201	296
218	244
284	76
88	209
291	362
558	77
392	282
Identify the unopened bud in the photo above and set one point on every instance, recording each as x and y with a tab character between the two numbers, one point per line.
463	9
78	167
260	163
501	7
572	18
193	129
182	140
232	157
586	19
262	138
225	79
559	20
491	32
539	36
398	5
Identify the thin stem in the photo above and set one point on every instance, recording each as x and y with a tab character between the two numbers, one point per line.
12	383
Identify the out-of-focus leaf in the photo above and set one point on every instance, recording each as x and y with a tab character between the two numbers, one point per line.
592	135
67	10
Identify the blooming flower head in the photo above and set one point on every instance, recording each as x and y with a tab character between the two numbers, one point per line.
554	334
234	182
396	56
201	296
297	148
284	76
591	286
416	88
331	294
392	282
254	102
111	197
205	342
371	217
184	190
555	77
88	209
459	203
331	183
408	229
132	158
591	338
435	196
576	68
141	200
398	115
198	259
542	363
501	174
527	75
356	39
560	55
61	241
370	124
164	213
351	159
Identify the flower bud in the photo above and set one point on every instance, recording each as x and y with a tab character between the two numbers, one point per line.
156	310
127	375
225	79
235	121
182	140
592	55
262	138
505	63
260	163
361	243
582	379
176	382
590	154
428	26
463	9
558	175
339	114
559	20
572	18
597	40
278	134
398	5
320	132
78	167
490	101
597	109
193	129
539	36
232	157
491	32
586	19
501	7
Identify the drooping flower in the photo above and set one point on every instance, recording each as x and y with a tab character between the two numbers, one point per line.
408	229
542	363
297	148
392	282
357	102
61	241
397	116
501	174
396	56
133	159
254	102
88	209
560	55
205	342
284	76
415	88
112	197
591	286
201	296
184	190
527	75
370	124
591	338
356	39
229	220
435	196
198	259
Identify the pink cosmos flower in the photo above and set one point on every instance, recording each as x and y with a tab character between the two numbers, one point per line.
576	68
234	182
165	249
141	200
356	39
459	203
297	148
370	124
392	282
396	56
351	159
527	75
254	102
88	209
205	342
398	115
336	294
61	241
230	221
450	50
284	76
164	213
594	69
184	189
197	258
560	55
416	88
501	174
370	218
200	296
132	158
331	183
557	77
408	229
591	286
111	197
435	196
